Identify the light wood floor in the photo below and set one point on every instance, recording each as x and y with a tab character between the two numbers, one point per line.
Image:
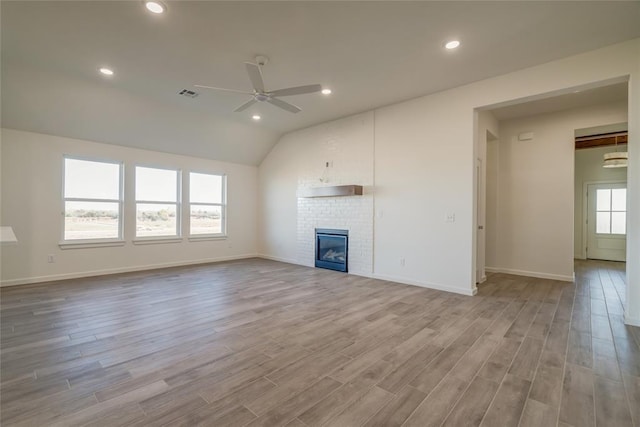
257	342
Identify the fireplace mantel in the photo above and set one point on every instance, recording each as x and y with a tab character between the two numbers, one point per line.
331	191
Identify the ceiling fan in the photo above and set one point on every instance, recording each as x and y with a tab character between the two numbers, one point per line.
260	94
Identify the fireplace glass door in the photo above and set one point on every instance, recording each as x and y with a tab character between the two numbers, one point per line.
332	249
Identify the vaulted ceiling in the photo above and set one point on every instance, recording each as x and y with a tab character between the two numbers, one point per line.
369	53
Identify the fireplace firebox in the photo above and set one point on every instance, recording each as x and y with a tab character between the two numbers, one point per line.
332	249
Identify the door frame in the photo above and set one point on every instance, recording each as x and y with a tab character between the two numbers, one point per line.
481	202
585	211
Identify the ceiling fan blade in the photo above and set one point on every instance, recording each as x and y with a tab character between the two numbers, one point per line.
255	75
284	105
246	105
225	90
299	90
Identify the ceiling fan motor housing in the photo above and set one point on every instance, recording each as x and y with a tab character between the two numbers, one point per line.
261	97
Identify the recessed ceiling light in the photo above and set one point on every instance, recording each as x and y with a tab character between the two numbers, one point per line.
452	44
326	91
155	6
256	117
106	71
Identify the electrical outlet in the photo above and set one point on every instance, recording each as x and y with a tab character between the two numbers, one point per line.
450	217
402	261
51	259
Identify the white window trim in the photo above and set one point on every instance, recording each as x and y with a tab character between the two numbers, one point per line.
154	240
610	211
167	238
223	209
207	237
81	244
92	243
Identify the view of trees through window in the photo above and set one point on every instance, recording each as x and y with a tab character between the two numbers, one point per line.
157	212
92	200
206	196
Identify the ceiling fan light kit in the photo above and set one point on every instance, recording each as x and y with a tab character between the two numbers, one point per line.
260	94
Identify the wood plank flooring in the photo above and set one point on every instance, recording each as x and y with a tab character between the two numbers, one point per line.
262	343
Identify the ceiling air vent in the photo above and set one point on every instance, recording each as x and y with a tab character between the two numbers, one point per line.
188	93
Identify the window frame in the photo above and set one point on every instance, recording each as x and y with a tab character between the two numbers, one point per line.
610	211
222	204
93	242
168	238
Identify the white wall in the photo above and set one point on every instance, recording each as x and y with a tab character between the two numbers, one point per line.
589	169
32	205
299	162
424	155
535	208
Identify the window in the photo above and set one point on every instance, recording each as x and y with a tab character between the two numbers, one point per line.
92	200
157	202
611	211
207	204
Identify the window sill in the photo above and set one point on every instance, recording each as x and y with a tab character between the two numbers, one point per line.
90	244
207	237
157	240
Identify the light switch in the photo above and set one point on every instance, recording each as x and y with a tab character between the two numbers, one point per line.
451	217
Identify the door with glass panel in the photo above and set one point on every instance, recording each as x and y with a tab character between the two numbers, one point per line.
607	221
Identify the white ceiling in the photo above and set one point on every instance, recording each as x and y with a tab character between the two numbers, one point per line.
370	53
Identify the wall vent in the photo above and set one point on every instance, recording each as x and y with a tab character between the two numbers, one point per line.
188	93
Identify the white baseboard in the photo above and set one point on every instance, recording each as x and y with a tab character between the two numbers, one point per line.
295	262
438	287
536	274
633	321
279	259
401	280
77	275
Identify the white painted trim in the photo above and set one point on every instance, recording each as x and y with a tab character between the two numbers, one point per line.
285	260
435	286
56	277
83	244
386	278
536	274
156	240
207	237
585	212
361	274
633	321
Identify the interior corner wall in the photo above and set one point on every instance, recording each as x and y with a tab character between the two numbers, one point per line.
424	154
299	162
535	234
32	166
589	170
